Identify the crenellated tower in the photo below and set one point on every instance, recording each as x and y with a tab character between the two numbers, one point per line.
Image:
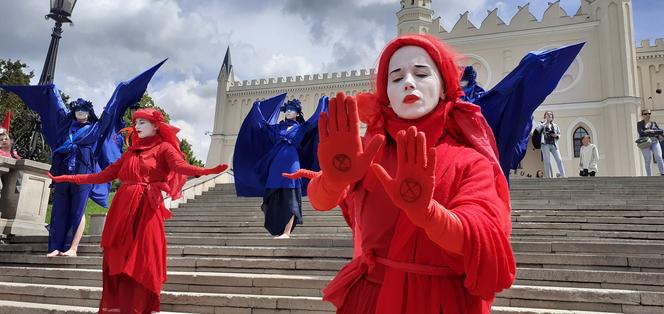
415	16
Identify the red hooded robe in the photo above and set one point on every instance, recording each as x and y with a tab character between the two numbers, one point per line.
134	242
398	268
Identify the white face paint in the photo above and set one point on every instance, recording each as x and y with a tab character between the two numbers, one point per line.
290	114
414	85
145	128
81	115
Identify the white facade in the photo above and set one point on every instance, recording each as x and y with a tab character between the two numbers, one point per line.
601	91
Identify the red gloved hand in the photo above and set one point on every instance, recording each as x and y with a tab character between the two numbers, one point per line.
63	178
342	158
218	169
302	173
412	189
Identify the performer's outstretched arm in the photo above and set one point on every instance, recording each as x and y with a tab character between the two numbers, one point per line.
106	175
176	162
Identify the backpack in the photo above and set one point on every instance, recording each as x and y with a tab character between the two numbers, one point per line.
537	139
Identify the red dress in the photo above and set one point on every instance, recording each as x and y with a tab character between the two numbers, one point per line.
134	241
397	268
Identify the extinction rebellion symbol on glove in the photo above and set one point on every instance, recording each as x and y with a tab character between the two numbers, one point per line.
410	190
341	162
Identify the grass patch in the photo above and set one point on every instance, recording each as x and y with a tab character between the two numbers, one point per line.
90	208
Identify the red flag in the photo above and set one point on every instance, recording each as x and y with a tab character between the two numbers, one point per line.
8	120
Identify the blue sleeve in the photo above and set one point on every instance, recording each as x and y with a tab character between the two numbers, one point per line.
46	101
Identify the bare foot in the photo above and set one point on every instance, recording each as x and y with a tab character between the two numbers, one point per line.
70	253
53	254
283	236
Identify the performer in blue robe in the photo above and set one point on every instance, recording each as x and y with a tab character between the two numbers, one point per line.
265	149
81	144
471	89
509	106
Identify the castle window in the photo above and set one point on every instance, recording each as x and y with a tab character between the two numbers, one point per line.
579	133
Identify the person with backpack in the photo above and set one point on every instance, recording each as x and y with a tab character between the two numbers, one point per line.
549	133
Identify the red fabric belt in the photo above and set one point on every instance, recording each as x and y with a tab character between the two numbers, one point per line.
118	231
337	290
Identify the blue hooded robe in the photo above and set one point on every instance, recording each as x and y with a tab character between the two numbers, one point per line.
509	106
266	148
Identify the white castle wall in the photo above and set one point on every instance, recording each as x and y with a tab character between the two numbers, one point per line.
601	90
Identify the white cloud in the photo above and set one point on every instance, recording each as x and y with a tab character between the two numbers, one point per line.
113	41
281	64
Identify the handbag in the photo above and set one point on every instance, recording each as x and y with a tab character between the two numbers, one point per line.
643	142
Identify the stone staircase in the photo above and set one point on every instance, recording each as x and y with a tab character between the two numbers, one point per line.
591	245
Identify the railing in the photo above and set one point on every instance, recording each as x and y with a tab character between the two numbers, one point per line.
197	186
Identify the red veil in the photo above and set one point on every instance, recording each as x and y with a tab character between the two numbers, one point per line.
168	133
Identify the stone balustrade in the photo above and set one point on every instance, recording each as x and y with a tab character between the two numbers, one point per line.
24	197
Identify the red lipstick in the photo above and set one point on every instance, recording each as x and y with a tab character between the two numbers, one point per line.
410	99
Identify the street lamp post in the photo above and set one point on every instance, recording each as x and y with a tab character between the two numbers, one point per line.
31	144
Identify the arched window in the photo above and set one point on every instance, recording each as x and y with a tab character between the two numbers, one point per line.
579	133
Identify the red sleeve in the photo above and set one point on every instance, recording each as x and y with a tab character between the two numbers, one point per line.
106	175
324	196
175	162
487	258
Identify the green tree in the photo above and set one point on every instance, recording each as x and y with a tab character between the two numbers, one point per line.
185	147
14	73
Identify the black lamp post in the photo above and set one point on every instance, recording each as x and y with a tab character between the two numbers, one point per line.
32	144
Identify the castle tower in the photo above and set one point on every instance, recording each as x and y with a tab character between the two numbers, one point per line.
616	32
224	81
415	16
619	81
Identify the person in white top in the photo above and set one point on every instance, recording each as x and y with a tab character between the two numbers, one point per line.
589	157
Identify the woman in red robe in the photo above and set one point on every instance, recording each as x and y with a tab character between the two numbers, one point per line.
134	241
422	191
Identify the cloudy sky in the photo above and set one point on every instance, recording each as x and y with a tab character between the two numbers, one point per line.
113	40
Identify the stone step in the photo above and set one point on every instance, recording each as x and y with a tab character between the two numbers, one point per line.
16	307
598	261
170	301
596	279
207	282
589	213
225	251
311	285
584	299
588	226
523	310
559	298
575	233
202	221
319	240
589	220
343	249
264	265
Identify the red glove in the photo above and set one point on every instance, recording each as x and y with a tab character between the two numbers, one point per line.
412	190
302	173
63	178
342	158
218	169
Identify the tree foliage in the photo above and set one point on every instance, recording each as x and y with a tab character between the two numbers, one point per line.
14	73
